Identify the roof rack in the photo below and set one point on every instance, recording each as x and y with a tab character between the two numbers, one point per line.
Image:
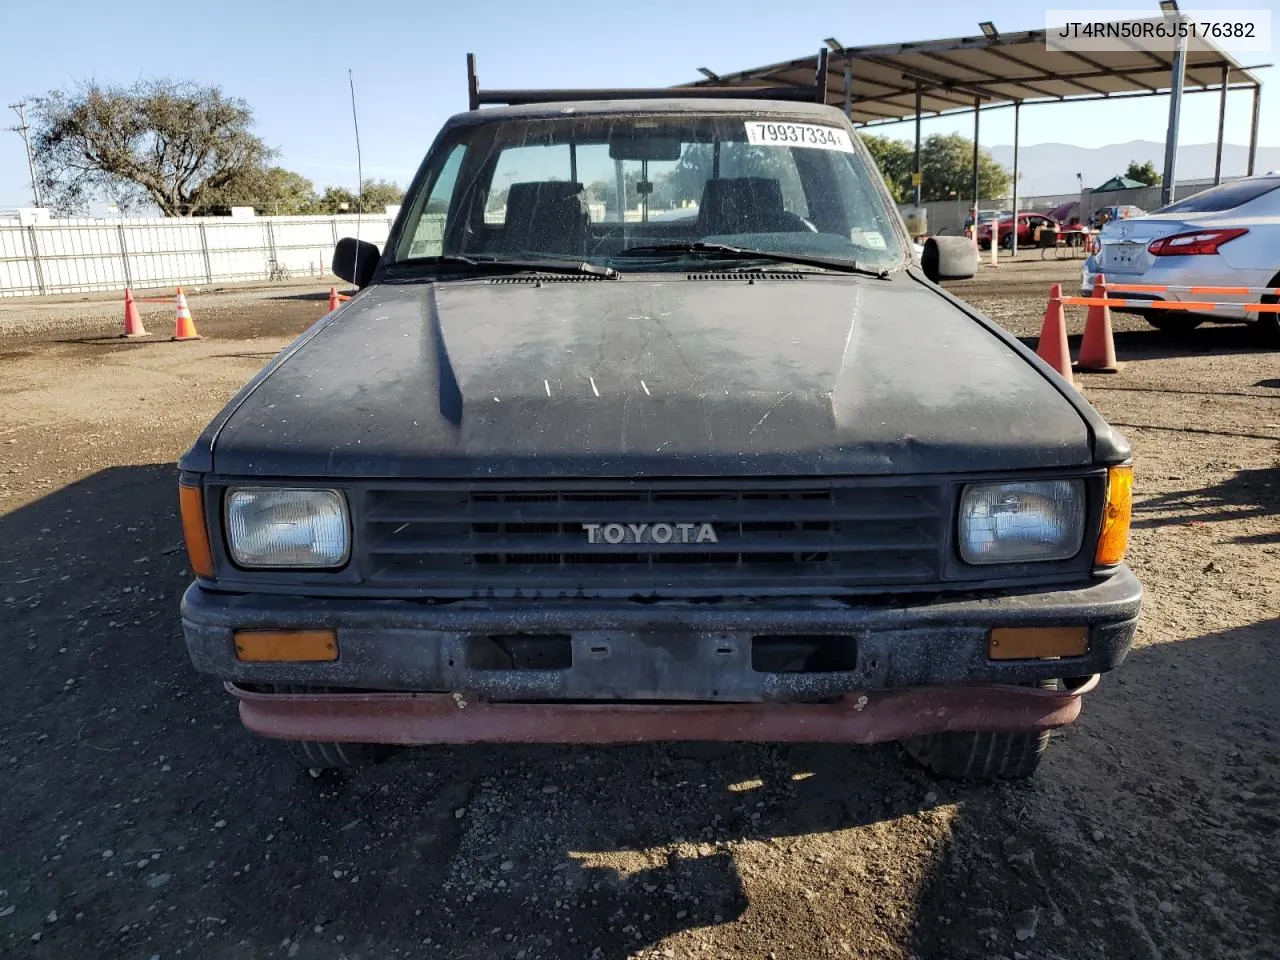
816	93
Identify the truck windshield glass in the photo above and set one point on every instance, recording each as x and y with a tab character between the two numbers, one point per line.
590	188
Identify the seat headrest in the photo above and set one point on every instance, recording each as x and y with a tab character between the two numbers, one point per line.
546	216
740	204
523	199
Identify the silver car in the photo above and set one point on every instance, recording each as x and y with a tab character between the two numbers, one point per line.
1226	236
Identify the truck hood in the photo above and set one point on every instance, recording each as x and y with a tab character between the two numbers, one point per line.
674	377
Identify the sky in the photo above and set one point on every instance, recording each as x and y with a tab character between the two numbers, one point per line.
290	61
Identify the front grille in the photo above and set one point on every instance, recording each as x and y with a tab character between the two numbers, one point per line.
480	538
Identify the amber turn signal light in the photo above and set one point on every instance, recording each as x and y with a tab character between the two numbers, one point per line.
194	530
286	646
1037	643
1116	516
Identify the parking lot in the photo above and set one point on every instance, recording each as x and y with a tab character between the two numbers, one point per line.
139	820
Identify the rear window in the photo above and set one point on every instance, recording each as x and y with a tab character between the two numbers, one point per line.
1225	197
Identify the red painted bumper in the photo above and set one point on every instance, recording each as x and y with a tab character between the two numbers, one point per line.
418	718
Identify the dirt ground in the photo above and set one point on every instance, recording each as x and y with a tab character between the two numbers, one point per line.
137	819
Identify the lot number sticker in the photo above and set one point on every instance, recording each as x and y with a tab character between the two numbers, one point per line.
798	135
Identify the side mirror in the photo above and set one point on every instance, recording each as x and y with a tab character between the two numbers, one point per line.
949	258
355	260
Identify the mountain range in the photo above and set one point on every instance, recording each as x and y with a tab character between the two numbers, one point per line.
1047	168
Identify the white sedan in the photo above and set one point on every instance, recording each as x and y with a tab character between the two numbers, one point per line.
1226	236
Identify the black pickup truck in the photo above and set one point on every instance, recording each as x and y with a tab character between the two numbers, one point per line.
645	425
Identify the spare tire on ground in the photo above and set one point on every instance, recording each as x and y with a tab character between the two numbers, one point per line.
949	258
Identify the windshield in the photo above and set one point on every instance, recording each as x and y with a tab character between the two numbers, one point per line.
603	189
1225	197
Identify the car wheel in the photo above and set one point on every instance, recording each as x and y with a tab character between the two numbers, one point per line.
1006	242
982	756
1269	323
1173	325
330	754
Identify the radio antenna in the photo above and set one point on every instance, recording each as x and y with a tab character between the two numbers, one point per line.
355	123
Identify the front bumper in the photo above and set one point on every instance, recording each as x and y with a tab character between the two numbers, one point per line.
410	719
624	652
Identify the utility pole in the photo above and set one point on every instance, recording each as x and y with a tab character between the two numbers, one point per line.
20	109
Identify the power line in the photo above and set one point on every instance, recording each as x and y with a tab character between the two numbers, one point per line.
22	130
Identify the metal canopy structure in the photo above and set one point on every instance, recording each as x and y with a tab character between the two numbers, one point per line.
1001	69
890	83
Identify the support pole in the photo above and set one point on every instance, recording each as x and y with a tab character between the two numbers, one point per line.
473	84
22	129
822	81
1222	123
848	87
916	165
977	113
1175	118
1253	130
620	184
1017	109
124	256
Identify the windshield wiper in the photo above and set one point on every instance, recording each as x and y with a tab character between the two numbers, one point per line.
742	253
494	264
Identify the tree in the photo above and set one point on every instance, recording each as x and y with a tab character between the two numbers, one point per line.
896	159
337	200
689	175
271	191
1144	173
686	181
946	162
173	143
606	191
375	196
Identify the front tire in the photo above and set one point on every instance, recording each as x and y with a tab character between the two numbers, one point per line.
330	754
983	756
980	756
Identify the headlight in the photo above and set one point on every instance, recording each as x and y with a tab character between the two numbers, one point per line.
1017	522
275	527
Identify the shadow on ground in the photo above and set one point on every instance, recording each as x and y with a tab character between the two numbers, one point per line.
138	811
1149	831
320	296
1246	493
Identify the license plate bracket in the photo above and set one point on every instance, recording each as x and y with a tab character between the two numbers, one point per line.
1126	252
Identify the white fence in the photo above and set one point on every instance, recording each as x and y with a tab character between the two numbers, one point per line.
40	255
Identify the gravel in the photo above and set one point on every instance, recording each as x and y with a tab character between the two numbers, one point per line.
797	849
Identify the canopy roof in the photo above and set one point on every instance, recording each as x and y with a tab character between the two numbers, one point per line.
1118	183
1003	69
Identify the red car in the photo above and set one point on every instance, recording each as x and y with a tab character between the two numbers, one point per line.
1027	224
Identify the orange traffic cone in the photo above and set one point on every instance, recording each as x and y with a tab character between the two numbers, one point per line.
132	321
1098	348
184	328
1052	346
333	299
